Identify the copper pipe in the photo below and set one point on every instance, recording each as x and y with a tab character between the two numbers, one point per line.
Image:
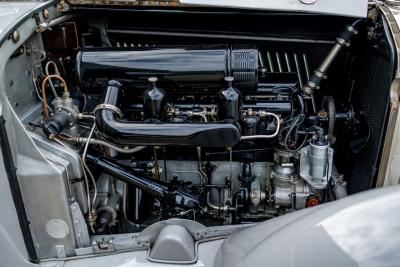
46	111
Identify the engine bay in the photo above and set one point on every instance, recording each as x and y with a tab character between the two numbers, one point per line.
157	124
219	134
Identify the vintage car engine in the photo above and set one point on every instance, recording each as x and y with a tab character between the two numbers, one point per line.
209	133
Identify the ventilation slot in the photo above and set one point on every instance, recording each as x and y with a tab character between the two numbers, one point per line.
275	62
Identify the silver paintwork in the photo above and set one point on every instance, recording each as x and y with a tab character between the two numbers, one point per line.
338	7
57	228
360	230
342	7
144	240
18	70
70	160
13	248
206	255
174	244
13	251
56	150
81	230
35	172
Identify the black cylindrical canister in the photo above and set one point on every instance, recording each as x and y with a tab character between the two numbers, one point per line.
182	68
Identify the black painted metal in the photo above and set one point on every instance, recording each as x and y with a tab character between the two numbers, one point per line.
156	188
142	133
229	101
181	68
154	101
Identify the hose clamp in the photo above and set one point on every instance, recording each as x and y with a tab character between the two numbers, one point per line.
108	107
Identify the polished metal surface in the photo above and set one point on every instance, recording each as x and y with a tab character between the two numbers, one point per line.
316	163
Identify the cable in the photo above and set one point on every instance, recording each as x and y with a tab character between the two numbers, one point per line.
46	111
42	58
298	120
85	169
46	69
84	173
86	185
85	102
110	145
84	159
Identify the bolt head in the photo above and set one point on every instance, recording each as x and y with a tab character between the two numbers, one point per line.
45	13
15	36
153	79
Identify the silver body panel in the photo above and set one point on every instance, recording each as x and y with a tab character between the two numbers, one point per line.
357	8
360	230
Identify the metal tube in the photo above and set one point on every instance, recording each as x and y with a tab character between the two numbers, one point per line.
248	137
157	188
124	132
320	73
112	146
329	58
127	175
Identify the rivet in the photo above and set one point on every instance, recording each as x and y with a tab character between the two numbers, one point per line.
45	13
15	36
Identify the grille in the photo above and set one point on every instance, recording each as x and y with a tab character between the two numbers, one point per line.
298	63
